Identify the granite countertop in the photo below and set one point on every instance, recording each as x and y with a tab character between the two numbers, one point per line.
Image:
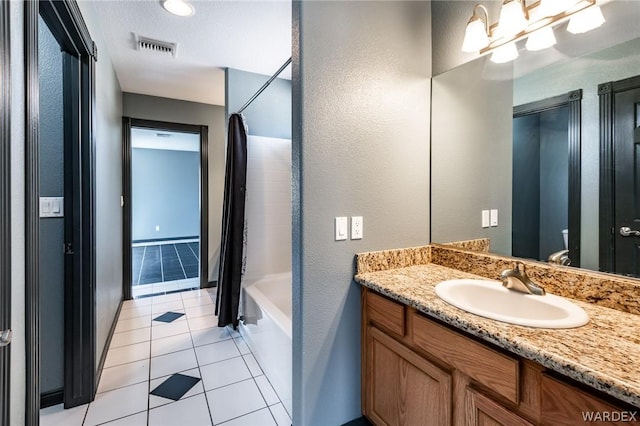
603	354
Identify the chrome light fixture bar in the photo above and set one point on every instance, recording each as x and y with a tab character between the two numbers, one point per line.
519	21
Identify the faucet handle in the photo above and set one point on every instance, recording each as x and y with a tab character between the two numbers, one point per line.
519	266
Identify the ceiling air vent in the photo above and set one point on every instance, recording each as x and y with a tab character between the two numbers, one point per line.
150	45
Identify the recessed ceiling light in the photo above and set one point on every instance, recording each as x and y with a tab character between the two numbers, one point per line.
178	7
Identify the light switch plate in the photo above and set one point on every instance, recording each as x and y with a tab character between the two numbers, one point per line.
356	227
51	206
494	217
485	219
341	228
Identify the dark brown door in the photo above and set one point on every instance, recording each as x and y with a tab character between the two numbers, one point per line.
626	139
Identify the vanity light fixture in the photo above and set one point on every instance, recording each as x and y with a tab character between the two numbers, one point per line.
553	7
586	20
541	39
518	21
178	7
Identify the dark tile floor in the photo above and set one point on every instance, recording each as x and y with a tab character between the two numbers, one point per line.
165	262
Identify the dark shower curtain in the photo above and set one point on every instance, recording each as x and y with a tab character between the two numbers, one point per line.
232	243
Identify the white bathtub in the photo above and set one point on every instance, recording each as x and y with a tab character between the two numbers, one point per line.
270	337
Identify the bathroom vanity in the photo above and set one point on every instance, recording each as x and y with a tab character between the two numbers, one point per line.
425	362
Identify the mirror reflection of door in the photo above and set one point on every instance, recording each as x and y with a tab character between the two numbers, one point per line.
546	178
540	184
626	177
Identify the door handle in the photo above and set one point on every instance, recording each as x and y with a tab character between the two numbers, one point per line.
625	231
5	337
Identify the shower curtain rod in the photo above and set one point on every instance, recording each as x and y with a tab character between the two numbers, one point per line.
264	86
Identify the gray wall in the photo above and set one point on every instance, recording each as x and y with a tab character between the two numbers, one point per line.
51	229
165	187
17	347
471	154
360	147
108	151
171	110
270	114
584	73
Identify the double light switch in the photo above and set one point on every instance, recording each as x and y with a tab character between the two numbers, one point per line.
51	206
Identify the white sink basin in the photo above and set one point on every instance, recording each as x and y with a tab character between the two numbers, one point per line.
490	299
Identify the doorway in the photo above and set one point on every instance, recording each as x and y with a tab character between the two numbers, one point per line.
546	178
619	190
165	207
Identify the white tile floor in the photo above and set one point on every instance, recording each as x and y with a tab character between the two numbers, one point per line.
144	353
163	287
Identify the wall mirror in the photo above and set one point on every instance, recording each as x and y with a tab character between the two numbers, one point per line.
524	138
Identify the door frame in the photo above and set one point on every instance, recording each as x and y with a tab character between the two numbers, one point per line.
203	131
5	208
607	233
573	101
65	21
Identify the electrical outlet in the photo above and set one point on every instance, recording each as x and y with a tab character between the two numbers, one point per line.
494	217
356	227
157	228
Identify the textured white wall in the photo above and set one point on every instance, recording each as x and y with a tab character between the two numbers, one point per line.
268	206
361	89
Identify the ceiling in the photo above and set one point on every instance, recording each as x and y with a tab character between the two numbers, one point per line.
252	36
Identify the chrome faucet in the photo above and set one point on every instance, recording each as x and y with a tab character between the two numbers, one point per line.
560	258
517	279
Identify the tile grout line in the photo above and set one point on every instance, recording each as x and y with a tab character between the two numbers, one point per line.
194	253
180	260
161	266
254	377
144	252
267	379
246	414
204	389
118	418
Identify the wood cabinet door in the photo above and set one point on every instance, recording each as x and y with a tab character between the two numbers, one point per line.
402	388
565	405
483	411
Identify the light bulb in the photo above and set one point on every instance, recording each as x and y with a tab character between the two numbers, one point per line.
586	20
475	36
541	39
512	19
505	53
